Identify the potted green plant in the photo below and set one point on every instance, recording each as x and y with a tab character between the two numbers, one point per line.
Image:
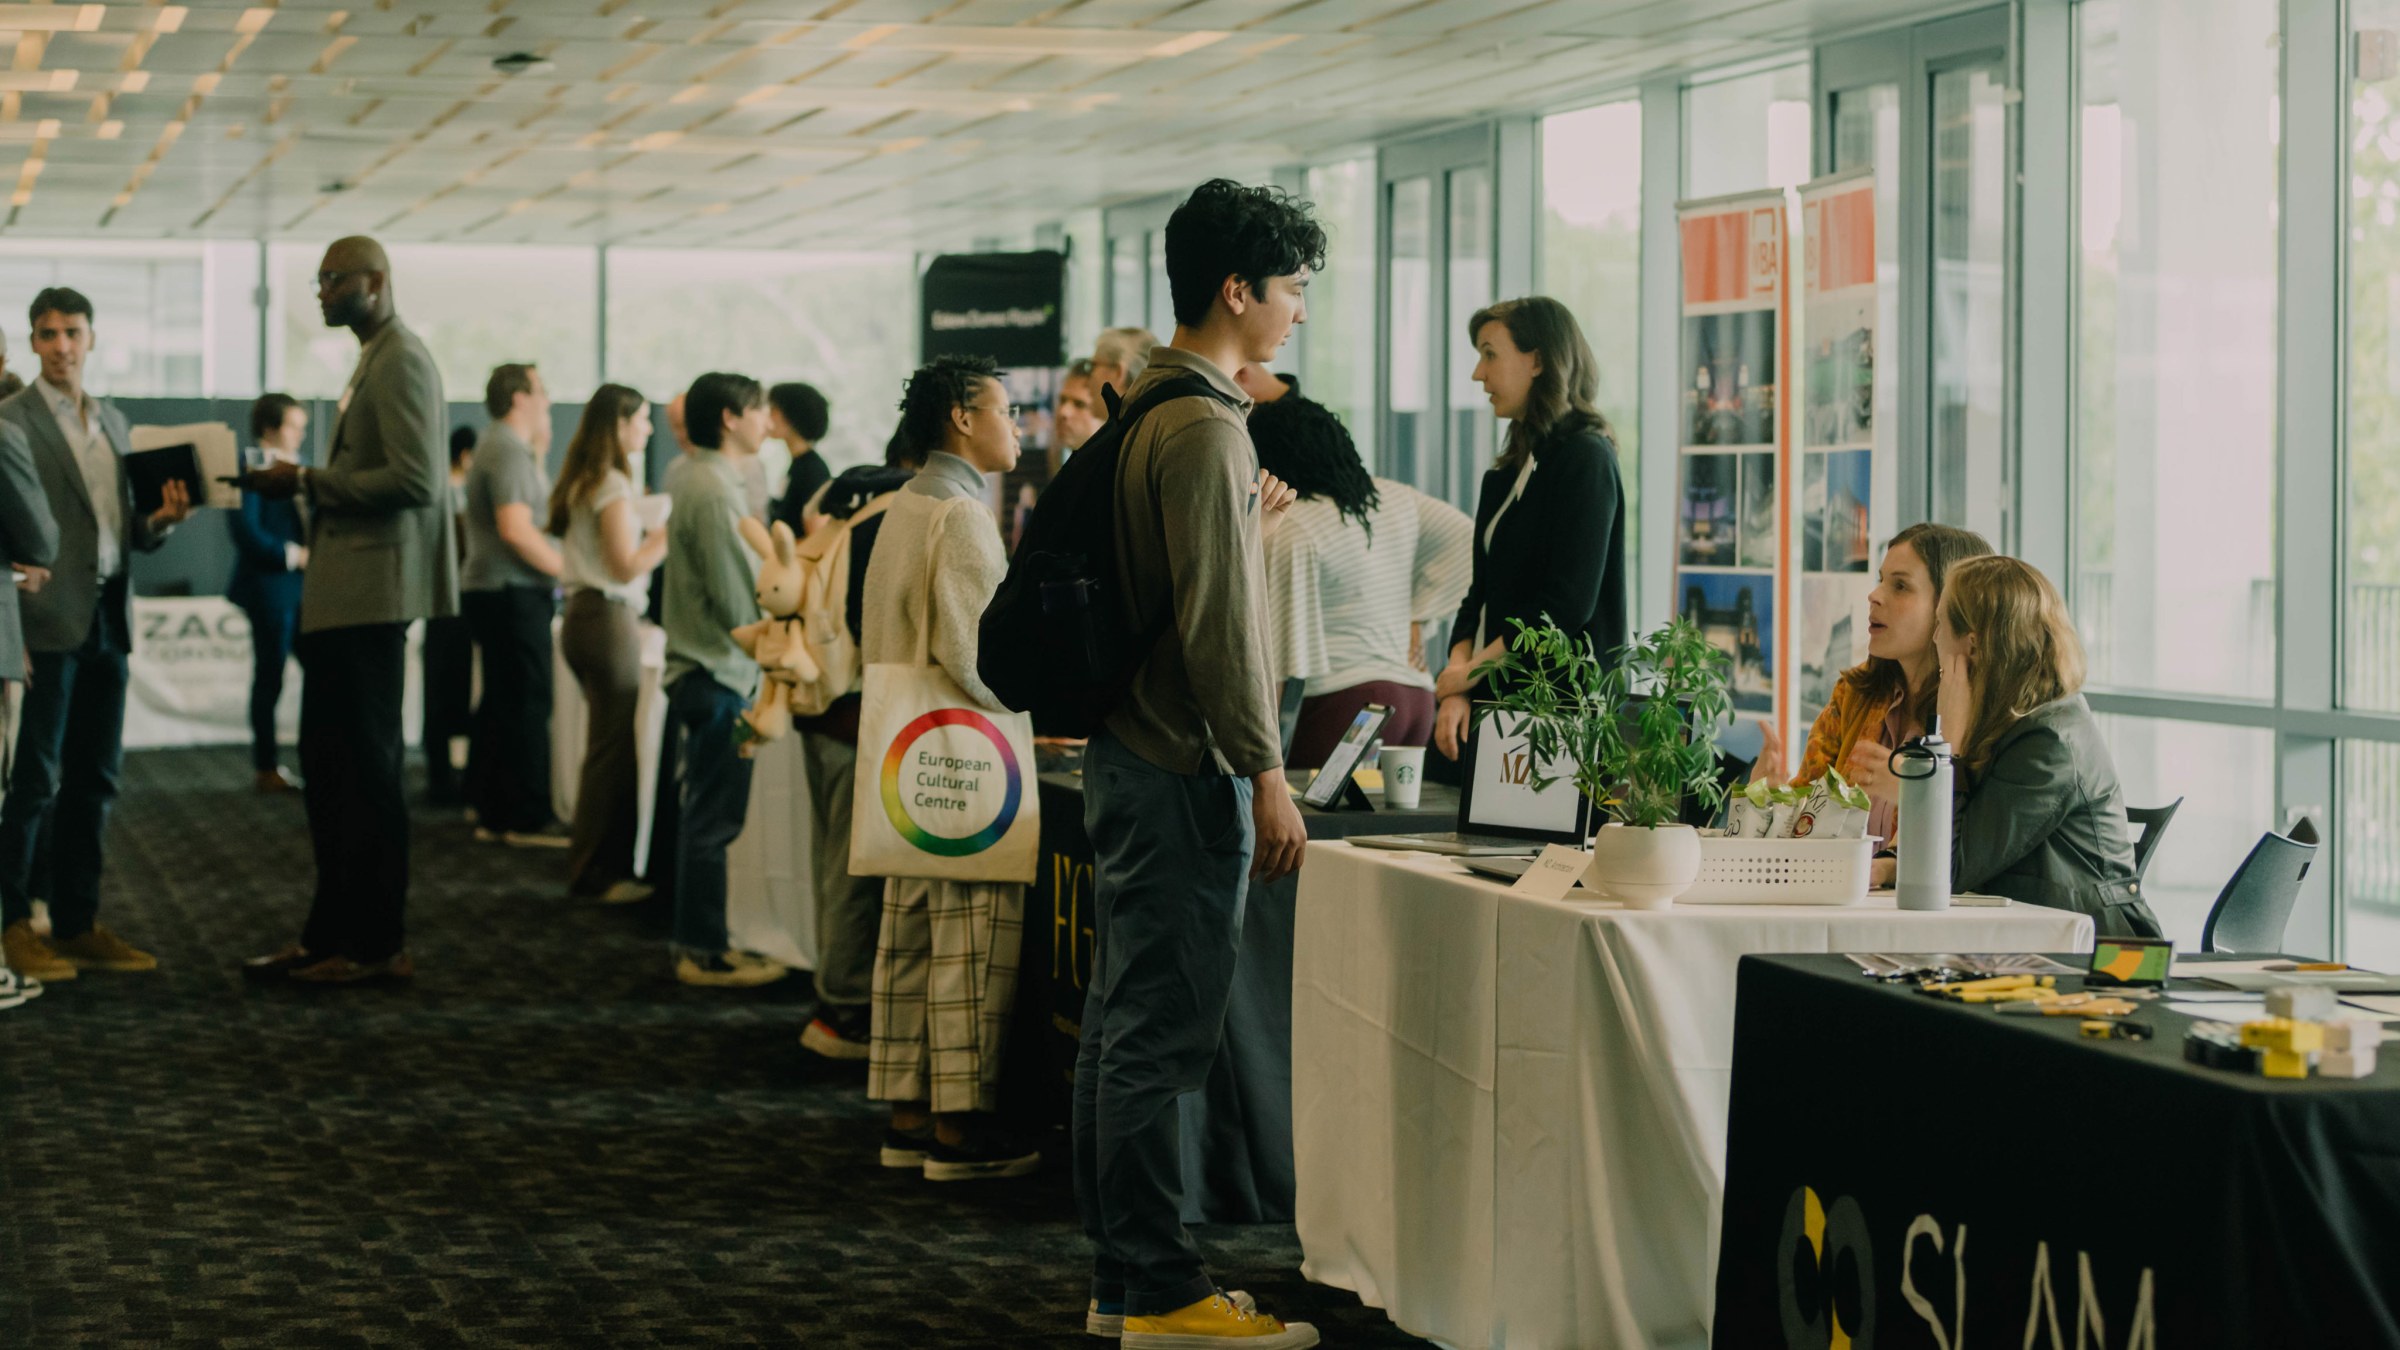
1626	728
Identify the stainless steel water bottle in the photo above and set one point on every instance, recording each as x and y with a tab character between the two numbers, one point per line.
1923	768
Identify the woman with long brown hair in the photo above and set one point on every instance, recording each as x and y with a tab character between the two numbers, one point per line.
2040	817
607	564
1550	519
1889	699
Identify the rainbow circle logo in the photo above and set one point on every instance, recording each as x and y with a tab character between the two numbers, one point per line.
895	805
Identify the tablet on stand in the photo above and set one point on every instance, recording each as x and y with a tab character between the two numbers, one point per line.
1334	786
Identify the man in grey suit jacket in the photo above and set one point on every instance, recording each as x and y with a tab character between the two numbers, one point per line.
76	628
29	543
381	552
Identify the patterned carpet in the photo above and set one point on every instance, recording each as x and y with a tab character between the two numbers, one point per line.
545	1142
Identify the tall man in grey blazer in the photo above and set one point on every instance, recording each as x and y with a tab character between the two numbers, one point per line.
76	628
381	552
29	544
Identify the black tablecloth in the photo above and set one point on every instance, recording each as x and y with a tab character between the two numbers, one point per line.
1973	1170
1237	1132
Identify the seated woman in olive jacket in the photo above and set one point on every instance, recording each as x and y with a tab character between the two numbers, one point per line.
2039	817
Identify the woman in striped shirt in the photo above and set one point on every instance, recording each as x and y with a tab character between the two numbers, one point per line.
1355	570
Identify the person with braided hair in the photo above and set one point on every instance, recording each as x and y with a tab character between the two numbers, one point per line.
1357	569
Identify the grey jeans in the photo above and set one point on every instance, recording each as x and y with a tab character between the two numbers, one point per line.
1173	855
849	909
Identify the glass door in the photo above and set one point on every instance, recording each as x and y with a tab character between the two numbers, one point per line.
1927	108
1440	267
1971	479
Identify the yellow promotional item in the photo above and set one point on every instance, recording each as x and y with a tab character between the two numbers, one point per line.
2284	1043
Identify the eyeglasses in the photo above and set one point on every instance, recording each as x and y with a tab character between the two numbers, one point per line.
1007	410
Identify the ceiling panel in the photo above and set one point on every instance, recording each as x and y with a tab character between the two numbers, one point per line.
901	123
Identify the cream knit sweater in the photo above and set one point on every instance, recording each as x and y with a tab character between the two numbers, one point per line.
966	572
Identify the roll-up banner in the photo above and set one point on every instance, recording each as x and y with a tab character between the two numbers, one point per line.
1007	306
1732	574
1845	444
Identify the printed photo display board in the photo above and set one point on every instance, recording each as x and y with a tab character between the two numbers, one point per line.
1730	527
1840	523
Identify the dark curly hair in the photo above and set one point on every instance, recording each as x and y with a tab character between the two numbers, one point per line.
944	383
1301	442
1227	230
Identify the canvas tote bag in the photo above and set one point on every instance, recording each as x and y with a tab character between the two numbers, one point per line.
945	787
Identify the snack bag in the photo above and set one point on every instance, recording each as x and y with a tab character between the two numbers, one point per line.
1818	812
1752	813
1854	805
1786	811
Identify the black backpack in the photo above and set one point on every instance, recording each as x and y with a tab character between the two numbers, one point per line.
1056	641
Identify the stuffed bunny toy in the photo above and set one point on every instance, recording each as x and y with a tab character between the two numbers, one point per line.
775	641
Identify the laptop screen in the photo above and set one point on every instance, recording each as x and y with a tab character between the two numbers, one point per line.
1500	798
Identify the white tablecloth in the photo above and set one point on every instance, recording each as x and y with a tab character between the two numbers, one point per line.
771	893
188	677
1509	1115
770	901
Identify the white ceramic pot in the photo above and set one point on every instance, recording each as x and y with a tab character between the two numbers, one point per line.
1644	867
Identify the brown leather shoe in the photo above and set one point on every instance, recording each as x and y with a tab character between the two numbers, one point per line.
30	956
343	970
102	949
278	963
273	781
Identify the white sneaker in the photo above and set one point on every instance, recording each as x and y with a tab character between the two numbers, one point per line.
627	893
1110	1326
14	990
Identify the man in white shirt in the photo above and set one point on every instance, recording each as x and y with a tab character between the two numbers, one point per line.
78	632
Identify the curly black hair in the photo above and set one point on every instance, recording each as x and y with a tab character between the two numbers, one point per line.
1303	443
1227	230
944	383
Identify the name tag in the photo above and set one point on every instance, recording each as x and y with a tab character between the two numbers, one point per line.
1554	873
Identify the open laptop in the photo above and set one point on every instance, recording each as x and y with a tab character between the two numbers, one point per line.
1500	813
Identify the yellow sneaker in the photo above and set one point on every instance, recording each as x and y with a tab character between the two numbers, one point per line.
31	957
1215	1321
102	949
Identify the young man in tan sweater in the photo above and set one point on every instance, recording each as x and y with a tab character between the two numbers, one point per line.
1184	789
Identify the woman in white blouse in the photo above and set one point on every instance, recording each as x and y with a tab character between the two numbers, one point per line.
608	560
1355	570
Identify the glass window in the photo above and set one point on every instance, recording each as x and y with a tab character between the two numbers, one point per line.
2174	584
1161	322
1128	281
1410	446
1866	134
2226	778
1087	282
149	303
476	307
2371	614
1746	133
1472	445
2370	841
1337	347
1592	263
844	322
1970	221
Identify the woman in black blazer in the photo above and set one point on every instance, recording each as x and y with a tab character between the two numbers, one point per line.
1550	522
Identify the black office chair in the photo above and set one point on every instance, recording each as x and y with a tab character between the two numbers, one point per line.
2251	911
2151	821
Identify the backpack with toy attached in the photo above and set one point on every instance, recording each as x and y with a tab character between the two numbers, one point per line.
776	640
1057	640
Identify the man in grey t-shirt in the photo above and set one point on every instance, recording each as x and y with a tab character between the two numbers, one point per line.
507	589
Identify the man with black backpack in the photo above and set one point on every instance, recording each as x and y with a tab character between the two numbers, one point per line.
1184	790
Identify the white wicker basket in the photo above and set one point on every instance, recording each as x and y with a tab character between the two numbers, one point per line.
1782	872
